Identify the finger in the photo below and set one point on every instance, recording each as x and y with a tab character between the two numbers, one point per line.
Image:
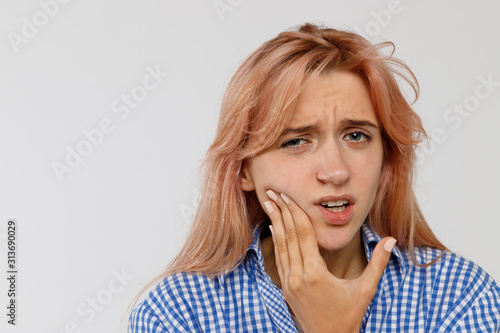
294	254
279	266
376	267
279	240
303	229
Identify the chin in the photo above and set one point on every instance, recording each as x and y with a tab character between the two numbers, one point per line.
334	240
333	245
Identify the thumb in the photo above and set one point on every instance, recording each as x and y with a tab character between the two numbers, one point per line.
378	262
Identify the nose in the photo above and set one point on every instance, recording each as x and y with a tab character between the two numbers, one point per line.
332	166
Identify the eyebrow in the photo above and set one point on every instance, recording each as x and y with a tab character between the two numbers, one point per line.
358	122
300	129
315	126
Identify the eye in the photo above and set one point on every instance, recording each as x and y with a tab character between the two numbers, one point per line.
296	142
357	136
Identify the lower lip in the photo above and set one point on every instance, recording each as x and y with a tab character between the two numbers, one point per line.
334	218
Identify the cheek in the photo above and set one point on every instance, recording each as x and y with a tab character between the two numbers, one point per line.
369	173
280	175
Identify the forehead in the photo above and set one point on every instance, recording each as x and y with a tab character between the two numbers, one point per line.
341	95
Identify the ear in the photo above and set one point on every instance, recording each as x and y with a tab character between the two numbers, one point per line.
245	177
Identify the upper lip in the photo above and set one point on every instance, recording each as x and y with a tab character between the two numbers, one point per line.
347	197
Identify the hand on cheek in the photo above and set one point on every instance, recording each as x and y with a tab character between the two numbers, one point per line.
320	301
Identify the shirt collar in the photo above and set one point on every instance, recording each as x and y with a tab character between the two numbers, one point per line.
371	239
254	247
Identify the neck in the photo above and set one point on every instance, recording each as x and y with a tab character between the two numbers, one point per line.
348	262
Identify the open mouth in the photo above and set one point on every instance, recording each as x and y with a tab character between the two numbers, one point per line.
335	206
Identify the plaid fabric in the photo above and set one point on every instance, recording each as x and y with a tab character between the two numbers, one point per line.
452	295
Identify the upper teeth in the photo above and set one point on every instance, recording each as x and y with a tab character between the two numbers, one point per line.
334	203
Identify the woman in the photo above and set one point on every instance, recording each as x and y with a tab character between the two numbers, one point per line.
316	141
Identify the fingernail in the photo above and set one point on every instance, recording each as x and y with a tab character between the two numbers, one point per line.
272	229
389	245
272	195
285	198
269	207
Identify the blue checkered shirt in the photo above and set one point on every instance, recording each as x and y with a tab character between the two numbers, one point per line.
452	295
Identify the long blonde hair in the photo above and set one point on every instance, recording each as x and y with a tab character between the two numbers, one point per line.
257	105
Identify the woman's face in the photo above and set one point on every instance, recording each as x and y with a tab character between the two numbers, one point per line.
328	160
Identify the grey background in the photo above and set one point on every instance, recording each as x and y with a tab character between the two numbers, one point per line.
125	208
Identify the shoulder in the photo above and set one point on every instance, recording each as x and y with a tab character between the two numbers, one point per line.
191	302
168	306
457	270
433	269
459	292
